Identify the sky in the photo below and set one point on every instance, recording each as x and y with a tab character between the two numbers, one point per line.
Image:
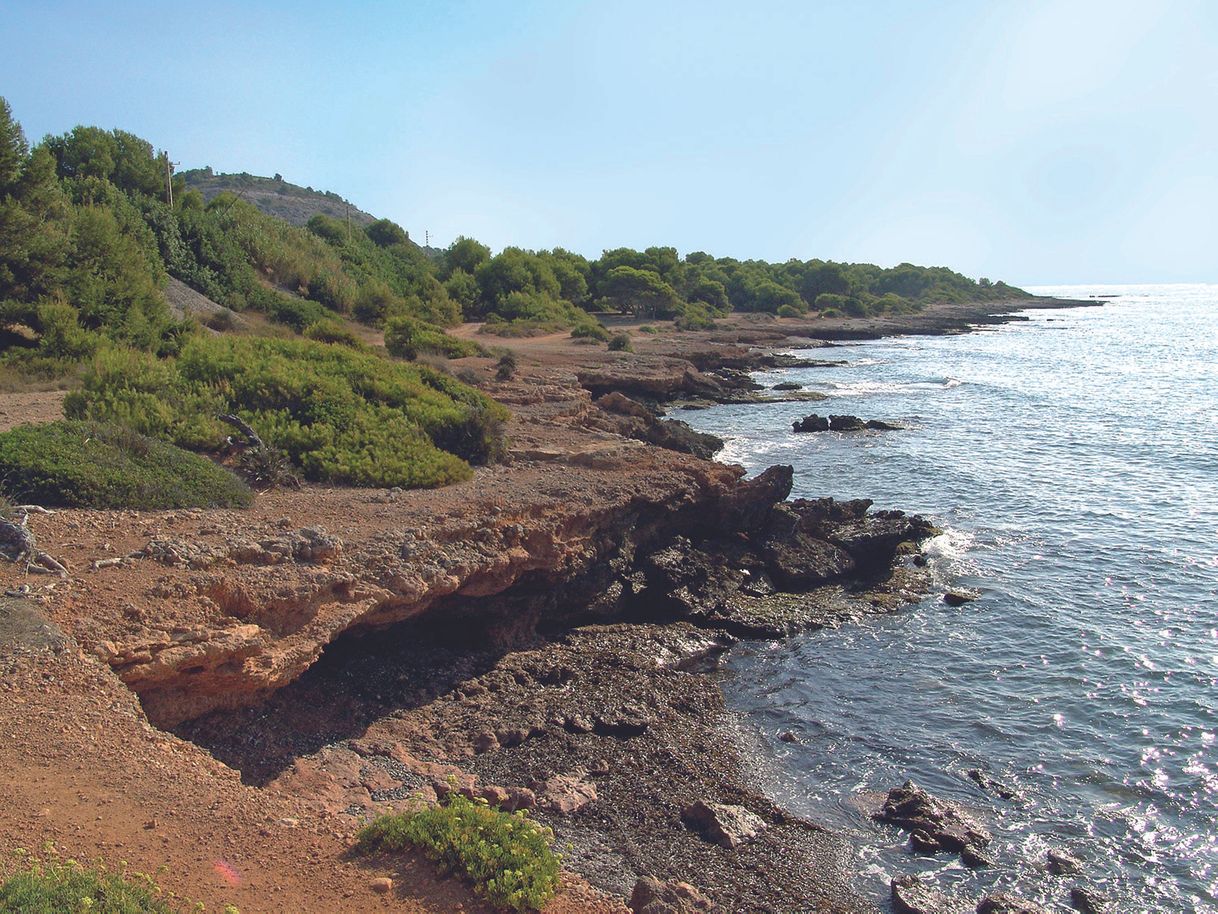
1035	142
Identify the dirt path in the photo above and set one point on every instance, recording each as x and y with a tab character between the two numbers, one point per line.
31	406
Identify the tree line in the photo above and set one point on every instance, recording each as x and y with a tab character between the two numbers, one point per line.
93	221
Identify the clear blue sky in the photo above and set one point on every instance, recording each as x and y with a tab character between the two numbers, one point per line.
1035	142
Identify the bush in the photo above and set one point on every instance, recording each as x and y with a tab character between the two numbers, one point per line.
694	316
91	465
827	300
620	343
408	338
647	328
789	311
505	368
342	415
66	888
506	855
297	313
330	330
592	330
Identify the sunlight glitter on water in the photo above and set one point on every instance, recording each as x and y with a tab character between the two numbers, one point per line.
1077	485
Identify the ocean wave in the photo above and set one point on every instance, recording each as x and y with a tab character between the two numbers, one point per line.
866	388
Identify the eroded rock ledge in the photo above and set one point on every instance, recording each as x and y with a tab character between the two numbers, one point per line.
696	542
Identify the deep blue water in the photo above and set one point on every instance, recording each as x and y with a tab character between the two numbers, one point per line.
1073	461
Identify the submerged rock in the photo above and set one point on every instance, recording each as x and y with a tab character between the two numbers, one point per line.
722	824
960	597
1088	900
994	786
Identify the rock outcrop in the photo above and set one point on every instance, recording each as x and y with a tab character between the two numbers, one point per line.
939	824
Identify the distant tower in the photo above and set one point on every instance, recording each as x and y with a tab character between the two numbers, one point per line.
426	238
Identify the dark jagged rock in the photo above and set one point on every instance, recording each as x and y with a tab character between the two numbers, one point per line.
846	424
975	857
910	895
723	824
787	385
1088	900
943	822
651	896
817	423
1006	903
1063	863
812	423
798	560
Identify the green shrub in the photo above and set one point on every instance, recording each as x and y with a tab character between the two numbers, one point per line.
330	330
69	888
789	311
408	338
620	343
342	415
647	328
506	855
694	316
90	465
297	313
592	330
505	368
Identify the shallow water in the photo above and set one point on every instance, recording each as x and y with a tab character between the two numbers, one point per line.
1073	461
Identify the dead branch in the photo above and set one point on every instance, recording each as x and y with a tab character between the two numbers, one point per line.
251	436
17	544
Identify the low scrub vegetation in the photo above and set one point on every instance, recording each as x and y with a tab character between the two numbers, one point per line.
68	888
507	856
94	465
341	414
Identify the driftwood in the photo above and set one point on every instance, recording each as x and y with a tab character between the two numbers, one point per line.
251	437
17	544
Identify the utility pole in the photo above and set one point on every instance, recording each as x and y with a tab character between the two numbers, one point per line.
348	221
426	238
168	180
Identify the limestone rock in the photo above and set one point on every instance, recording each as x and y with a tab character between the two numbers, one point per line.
651	896
723	824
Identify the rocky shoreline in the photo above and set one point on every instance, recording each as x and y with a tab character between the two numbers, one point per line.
543	636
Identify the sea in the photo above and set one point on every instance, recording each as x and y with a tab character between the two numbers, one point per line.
1071	460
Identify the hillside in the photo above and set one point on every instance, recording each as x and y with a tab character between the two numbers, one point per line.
275	196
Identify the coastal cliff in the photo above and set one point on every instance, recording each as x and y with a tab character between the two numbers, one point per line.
542	636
